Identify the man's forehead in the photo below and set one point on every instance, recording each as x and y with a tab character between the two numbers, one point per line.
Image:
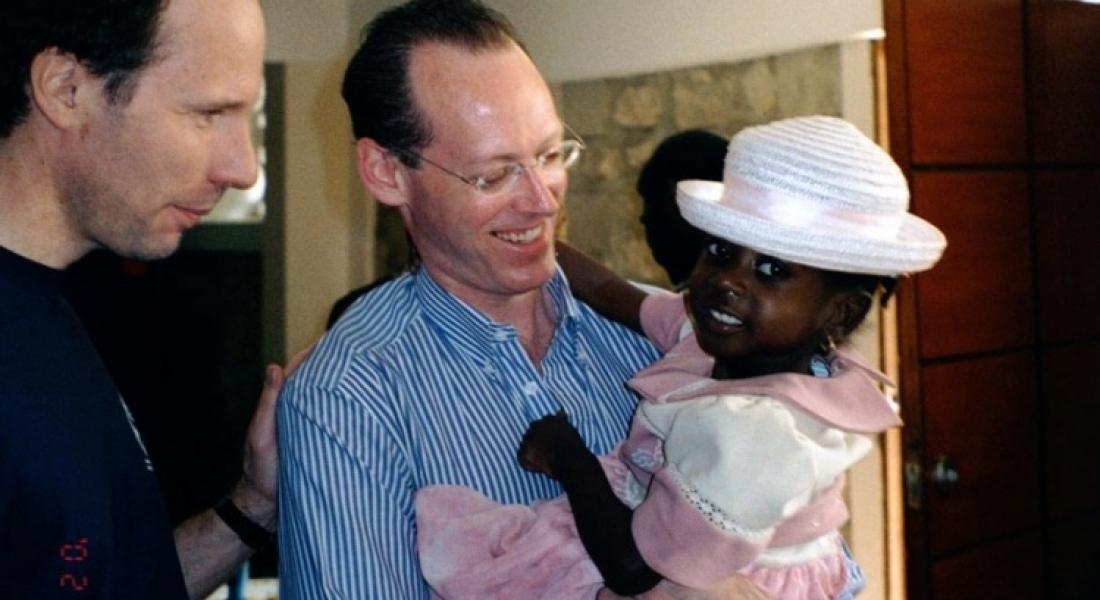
191	24
448	81
439	66
208	45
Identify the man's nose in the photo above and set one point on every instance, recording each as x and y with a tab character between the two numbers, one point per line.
542	190
235	162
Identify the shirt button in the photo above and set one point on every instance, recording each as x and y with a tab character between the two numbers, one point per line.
530	388
500	336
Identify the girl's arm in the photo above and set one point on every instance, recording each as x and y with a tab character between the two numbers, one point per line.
553	446
599	287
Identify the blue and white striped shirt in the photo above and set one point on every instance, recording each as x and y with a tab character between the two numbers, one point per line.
412	388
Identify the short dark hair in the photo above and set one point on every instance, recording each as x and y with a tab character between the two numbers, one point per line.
114	39
376	84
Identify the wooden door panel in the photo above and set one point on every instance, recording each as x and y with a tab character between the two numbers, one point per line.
1074	555
1067	215
966	91
1008	570
1065	57
982	415
997	123
1071	391
979	296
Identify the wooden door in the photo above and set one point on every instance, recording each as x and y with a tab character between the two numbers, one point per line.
994	113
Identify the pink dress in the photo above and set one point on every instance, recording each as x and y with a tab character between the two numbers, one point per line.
724	476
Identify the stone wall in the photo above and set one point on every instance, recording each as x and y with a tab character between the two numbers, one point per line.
623	119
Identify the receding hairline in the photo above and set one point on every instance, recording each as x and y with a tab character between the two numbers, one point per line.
167	41
506	44
416	54
419	83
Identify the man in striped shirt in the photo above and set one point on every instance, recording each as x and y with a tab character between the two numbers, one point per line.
432	378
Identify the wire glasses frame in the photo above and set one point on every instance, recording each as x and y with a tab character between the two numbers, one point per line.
562	156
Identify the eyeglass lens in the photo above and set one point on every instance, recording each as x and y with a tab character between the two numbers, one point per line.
553	162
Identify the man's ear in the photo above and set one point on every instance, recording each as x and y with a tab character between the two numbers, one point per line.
60	86
381	173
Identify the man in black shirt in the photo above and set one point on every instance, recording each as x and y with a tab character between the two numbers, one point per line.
121	123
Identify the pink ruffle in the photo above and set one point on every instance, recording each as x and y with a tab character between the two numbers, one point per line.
820	579
474	548
471	547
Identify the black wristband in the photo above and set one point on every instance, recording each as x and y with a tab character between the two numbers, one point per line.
251	533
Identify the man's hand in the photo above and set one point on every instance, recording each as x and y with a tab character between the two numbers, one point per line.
734	588
255	492
549	441
209	551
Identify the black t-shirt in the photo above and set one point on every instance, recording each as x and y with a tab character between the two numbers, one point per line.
80	512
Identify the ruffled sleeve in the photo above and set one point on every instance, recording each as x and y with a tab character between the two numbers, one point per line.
663	318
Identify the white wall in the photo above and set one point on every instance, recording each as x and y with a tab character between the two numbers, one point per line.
583	39
580	39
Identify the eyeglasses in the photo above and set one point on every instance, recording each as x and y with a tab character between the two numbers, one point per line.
553	162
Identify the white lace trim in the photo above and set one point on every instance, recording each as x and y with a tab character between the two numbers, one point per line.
819	547
716	515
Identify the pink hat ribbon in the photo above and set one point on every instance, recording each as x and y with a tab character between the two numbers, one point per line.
781	208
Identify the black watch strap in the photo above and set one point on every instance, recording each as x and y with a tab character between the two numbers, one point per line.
251	533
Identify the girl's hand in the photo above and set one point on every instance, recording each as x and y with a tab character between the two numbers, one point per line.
548	444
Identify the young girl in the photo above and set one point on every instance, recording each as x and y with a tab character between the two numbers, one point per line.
735	461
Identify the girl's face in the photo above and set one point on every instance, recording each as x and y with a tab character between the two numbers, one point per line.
757	314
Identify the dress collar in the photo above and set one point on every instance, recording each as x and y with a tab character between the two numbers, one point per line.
850	399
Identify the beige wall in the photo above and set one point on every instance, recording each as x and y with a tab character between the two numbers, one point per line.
866	486
306	30
327	220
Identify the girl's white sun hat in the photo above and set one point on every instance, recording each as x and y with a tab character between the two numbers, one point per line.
814	191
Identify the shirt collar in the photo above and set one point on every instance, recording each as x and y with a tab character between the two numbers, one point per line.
472	330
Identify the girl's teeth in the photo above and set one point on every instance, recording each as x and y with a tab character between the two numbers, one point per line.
722	317
522	237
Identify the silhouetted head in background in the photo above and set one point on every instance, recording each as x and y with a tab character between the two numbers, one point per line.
693	154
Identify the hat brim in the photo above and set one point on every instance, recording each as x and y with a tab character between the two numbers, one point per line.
916	246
